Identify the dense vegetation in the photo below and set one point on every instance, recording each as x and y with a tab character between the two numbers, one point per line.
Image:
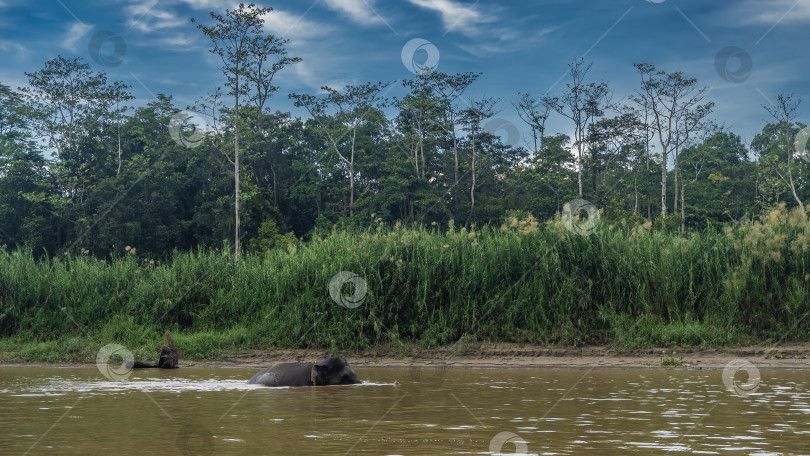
116	222
518	282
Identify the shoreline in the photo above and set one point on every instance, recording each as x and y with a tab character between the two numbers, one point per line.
501	355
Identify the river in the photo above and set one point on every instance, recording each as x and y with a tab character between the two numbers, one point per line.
459	411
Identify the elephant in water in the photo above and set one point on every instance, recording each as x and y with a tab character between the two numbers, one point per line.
331	371
168	357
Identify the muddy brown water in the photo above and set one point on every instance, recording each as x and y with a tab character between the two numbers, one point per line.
537	411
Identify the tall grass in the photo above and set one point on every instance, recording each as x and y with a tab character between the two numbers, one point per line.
519	282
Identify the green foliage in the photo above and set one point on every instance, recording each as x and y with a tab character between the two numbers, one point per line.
269	237
670	361
520	282
113	231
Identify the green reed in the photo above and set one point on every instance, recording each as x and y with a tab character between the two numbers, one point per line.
431	286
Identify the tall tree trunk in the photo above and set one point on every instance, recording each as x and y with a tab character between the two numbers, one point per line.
472	187
675	183
119	150
647	196
635	192
351	175
422	152
275	188
416	159
664	184
579	167
790	176
594	171
793	190
455	151
119	139
683	208
236	186
421	148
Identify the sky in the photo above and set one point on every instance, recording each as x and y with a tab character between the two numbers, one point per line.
744	51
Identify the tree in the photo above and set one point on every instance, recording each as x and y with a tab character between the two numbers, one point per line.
351	106
449	88
729	190
609	139
12	116
784	164
266	56
69	107
694	158
415	174
116	95
670	99
534	113
473	118
551	170
691	121
239	41
582	103
22	171
418	119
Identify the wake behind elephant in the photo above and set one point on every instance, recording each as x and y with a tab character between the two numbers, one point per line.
331	371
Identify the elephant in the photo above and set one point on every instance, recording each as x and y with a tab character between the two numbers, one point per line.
168	357
331	371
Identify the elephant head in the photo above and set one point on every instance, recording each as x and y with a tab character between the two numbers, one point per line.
333	371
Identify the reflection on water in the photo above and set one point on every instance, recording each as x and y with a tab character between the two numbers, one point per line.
537	411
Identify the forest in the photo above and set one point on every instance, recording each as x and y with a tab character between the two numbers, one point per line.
83	171
90	177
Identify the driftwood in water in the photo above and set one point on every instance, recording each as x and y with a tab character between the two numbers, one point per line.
168	357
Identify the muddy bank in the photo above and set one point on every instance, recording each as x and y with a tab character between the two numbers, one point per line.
795	356
514	355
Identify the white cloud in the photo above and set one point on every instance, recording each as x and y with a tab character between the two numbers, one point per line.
211	4
294	27
456	16
147	16
506	41
76	32
772	12
182	41
308	38
319	59
360	11
10	46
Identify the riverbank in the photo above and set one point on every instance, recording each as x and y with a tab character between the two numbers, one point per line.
518	355
628	286
502	355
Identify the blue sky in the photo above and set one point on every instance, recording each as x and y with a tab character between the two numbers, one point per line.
518	46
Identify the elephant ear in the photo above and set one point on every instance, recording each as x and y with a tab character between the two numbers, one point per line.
320	373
